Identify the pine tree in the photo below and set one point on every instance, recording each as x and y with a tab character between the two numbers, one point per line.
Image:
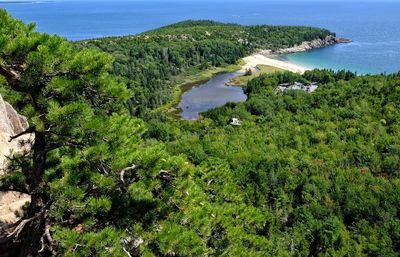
76	112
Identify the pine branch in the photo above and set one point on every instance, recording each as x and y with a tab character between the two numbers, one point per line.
28	131
54	146
6	188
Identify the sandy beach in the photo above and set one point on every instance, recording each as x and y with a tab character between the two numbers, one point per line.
259	59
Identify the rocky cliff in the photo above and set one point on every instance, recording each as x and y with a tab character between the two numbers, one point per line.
11	123
309	45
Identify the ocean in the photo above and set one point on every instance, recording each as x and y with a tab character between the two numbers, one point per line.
374	27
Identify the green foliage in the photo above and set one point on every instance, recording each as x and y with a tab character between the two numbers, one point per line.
175	239
307	174
104	243
316	173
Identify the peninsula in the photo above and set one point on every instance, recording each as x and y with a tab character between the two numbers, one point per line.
168	60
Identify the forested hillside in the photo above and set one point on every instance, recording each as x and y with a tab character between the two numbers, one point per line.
306	174
151	61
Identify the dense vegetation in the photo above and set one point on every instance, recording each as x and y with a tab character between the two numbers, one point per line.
305	175
151	61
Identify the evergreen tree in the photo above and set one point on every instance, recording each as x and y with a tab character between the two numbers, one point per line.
76	112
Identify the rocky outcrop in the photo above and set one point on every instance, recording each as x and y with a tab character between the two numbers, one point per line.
11	123
309	45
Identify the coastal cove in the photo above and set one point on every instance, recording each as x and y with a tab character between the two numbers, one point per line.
225	87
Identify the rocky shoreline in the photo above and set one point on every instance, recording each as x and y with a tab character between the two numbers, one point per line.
308	46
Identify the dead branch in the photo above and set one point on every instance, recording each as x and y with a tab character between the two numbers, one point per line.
21	226
42	245
122	174
76	247
23	223
48	235
166	175
129	255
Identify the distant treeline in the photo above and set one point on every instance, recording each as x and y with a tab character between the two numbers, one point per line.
150	61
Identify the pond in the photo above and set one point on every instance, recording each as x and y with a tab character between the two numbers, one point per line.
214	93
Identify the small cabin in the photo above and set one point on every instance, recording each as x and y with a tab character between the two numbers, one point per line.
235	122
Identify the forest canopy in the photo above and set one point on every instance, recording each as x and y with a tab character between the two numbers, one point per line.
317	174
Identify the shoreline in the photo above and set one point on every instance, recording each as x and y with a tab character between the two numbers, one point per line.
252	61
271	58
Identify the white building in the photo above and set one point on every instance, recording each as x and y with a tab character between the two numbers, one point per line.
236	122
296	86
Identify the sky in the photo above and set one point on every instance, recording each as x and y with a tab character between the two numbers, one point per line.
361	1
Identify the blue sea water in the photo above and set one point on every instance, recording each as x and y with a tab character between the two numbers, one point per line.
374	27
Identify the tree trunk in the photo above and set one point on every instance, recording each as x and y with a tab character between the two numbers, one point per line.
36	176
8	248
33	232
31	237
